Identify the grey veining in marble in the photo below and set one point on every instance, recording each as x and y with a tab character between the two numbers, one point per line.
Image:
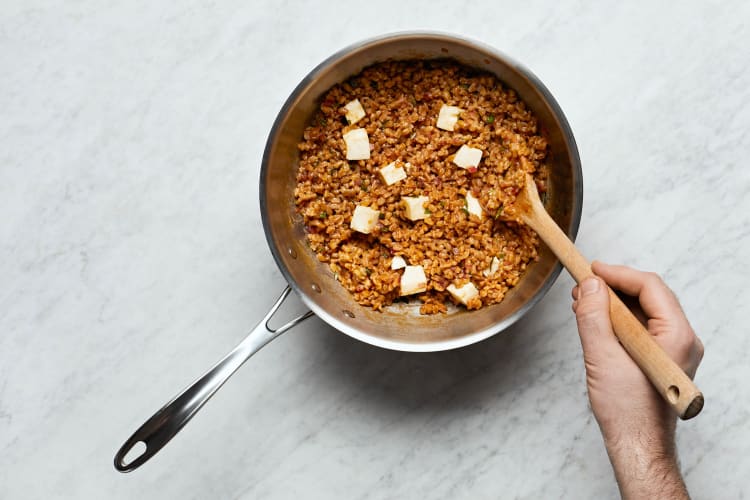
132	256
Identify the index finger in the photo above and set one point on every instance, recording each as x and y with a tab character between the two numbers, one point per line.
655	297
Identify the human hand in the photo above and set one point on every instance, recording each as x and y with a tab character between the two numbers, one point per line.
638	426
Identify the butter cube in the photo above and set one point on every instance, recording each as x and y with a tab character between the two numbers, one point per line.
467	157
391	173
448	117
357	144
414	207
398	262
364	219
354	111
413	280
464	293
494	267
473	206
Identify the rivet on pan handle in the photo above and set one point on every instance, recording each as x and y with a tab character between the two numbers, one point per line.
160	428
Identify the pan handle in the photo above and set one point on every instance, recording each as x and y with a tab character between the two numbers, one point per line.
160	428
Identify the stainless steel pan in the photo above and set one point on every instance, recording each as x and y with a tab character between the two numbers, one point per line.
398	327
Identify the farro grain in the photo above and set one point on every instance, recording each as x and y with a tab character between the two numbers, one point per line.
402	101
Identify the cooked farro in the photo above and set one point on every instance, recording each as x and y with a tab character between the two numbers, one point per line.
402	102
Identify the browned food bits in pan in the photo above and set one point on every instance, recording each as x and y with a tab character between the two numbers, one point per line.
403	174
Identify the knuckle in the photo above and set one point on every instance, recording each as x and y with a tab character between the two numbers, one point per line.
699	348
588	310
654	279
687	343
685	347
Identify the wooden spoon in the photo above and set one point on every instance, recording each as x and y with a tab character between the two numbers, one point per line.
669	379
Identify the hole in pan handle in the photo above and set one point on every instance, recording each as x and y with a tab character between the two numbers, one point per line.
165	423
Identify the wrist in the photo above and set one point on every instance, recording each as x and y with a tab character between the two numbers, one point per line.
651	429
646	468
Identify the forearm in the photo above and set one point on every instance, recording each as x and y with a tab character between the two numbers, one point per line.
645	471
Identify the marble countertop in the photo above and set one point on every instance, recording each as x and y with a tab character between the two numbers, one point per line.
132	255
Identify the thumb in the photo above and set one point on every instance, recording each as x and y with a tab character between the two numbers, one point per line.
592	315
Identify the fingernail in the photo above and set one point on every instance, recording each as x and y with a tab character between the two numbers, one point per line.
589	286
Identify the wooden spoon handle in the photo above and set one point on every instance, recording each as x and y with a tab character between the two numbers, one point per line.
669	379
